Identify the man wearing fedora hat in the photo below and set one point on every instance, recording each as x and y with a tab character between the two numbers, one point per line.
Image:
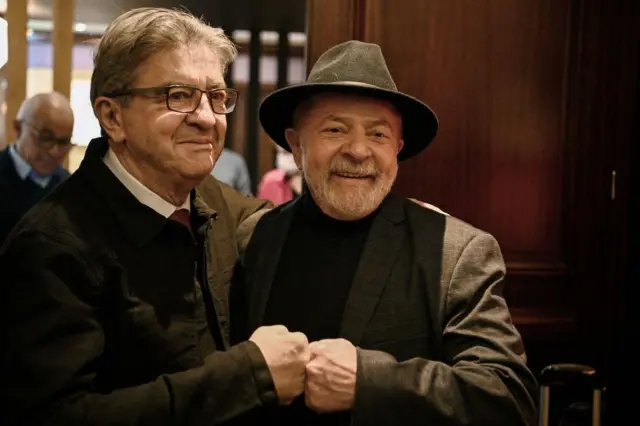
403	303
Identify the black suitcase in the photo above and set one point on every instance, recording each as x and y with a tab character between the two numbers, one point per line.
570	374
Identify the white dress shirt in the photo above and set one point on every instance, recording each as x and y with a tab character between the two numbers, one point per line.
141	192
24	169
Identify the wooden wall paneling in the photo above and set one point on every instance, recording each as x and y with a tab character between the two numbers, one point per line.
62	42
238	142
238	131
603	131
16	68
331	22
267	148
624	259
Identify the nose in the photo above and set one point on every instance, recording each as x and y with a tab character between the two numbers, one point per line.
357	147
204	116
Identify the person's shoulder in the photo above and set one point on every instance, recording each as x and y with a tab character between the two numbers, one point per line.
273	176
223	198
5	161
273	216
233	156
265	223
43	233
216	193
281	209
62	173
54	214
456	231
456	239
5	158
425	207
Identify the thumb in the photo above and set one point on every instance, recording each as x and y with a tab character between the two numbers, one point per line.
317	346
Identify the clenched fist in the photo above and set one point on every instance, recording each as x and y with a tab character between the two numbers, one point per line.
286	355
331	376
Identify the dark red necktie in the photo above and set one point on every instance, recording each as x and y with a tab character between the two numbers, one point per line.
182	216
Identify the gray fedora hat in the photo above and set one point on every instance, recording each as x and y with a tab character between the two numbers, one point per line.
357	68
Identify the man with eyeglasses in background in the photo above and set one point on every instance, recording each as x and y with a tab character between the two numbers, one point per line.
32	166
113	300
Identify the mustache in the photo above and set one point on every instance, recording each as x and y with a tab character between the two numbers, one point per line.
357	170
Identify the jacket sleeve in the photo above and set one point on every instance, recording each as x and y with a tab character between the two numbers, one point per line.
54	342
484	379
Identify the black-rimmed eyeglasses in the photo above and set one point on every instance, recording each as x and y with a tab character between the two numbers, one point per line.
47	139
186	99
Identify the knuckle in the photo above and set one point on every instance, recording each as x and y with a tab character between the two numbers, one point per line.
300	338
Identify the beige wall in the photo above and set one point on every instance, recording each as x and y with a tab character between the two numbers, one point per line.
76	154
41	79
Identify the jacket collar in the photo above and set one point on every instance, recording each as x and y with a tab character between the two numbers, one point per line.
139	221
375	263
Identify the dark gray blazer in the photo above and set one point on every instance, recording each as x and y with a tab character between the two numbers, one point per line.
436	344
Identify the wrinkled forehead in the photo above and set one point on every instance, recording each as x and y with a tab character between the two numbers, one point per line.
56	122
197	65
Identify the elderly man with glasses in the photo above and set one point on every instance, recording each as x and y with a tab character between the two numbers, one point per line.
114	294
32	166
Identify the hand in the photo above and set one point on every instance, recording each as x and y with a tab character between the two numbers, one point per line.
286	355
418	202
428	206
331	376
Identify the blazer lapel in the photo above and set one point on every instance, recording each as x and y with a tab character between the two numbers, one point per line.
273	237
378	256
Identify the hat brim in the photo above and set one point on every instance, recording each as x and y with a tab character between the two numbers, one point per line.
419	123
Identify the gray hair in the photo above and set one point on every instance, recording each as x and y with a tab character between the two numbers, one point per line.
136	35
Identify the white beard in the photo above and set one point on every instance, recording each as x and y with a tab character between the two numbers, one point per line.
351	202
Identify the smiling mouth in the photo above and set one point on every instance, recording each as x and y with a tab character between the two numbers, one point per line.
199	146
353	176
199	143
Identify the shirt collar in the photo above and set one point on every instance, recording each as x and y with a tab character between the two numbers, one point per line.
24	169
141	192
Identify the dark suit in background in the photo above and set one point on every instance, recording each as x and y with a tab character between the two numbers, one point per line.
18	195
426	310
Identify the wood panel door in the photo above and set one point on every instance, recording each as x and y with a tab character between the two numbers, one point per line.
529	96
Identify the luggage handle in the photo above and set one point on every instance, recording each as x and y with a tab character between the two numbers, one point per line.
564	374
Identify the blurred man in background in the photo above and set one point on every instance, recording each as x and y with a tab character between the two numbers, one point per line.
32	166
284	182
232	170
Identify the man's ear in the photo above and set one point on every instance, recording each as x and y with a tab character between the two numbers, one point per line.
400	145
293	139
17	128
109	115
